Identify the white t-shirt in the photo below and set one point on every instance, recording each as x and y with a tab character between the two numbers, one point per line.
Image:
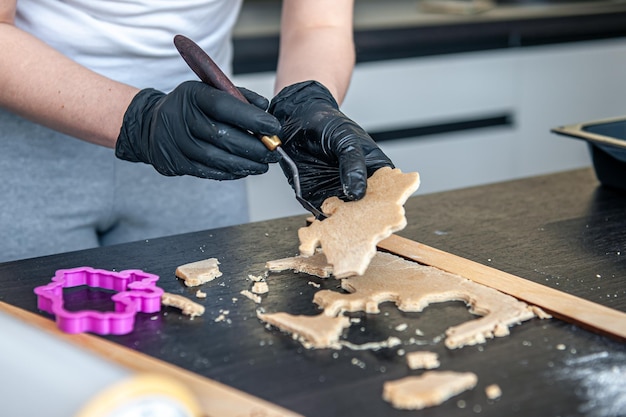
131	40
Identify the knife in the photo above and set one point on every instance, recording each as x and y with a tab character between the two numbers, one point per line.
208	71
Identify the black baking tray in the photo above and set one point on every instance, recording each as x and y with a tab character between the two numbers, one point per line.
607	144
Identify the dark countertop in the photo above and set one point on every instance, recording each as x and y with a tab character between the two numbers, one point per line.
561	230
395	29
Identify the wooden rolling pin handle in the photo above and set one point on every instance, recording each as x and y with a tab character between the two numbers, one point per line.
210	73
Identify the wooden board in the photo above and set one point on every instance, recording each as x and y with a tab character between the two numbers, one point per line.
562	305
215	399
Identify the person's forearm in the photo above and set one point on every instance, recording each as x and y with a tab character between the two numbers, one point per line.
40	84
317	44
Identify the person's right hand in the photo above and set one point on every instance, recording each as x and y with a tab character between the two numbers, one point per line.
198	130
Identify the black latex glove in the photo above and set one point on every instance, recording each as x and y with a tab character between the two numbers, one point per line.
197	130
334	155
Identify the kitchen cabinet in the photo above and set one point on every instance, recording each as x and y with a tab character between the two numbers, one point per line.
529	90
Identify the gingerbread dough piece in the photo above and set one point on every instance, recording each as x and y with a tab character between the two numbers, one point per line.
318	332
422	360
313	265
431	388
197	273
260	287
493	391
349	235
412	287
188	307
254	297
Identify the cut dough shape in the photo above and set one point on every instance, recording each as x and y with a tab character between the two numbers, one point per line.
422	360
349	235
188	307
315	264
318	332
412	287
431	388
197	273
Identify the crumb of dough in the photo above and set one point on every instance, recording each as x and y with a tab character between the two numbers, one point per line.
223	316
318	332
256	278
412	287
358	362
349	235
389	343
197	273
200	294
260	287
256	298
493	391
313	265
401	327
314	284
430	389
188	307
422	360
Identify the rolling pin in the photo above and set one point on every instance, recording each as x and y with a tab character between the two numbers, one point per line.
46	376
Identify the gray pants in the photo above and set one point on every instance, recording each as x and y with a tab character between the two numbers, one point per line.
60	194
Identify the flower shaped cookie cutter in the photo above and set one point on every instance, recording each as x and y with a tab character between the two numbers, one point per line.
136	292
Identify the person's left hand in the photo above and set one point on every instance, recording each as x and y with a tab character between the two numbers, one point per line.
334	155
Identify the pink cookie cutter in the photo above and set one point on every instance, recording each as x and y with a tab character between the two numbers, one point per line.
137	292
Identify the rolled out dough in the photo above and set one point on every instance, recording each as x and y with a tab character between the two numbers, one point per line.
412	287
349	235
429	389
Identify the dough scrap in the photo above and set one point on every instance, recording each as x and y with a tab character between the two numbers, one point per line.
317	332
349	235
260	287
429	389
315	264
254	297
422	360
187	307
197	273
